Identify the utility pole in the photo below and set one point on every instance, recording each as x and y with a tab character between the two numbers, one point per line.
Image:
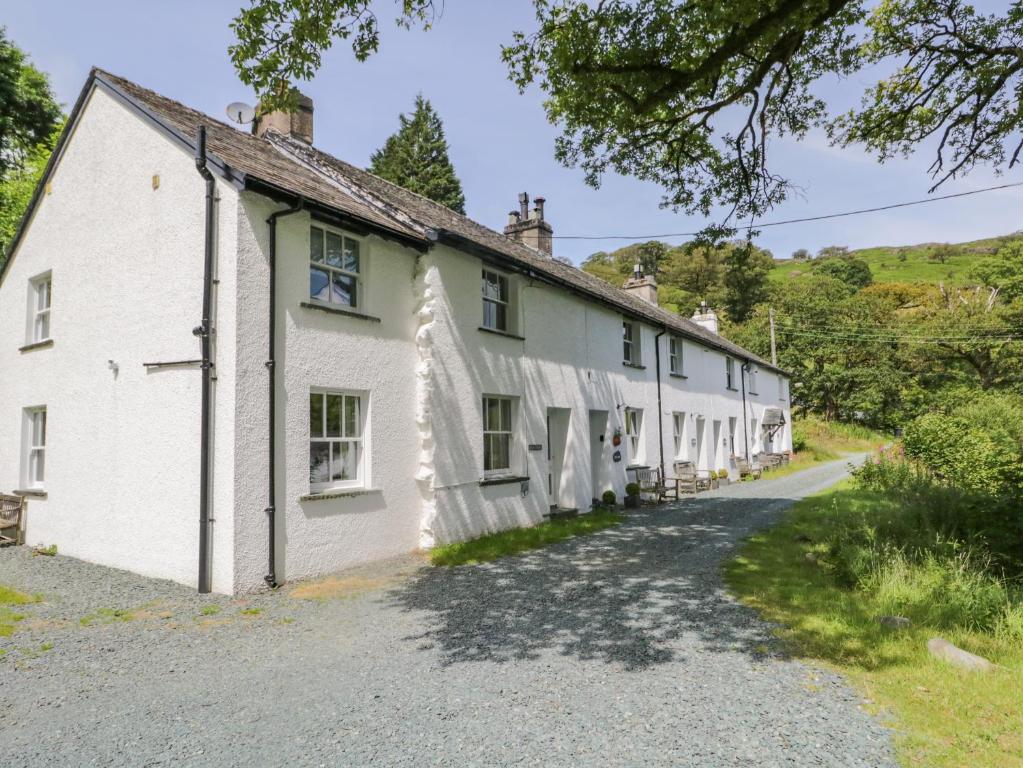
774	350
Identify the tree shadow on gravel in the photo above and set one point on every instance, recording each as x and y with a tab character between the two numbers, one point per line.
639	595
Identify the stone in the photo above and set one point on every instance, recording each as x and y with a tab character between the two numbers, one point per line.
895	622
942	649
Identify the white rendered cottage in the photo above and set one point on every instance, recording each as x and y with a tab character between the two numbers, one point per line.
430	379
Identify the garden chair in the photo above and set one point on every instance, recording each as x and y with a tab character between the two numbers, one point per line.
650	483
706	480
685	478
12	519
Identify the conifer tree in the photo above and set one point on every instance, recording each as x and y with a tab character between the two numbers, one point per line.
416	158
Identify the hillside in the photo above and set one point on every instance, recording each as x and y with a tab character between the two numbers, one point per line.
911	263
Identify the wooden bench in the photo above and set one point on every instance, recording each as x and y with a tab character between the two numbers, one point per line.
685	478
12	519
746	470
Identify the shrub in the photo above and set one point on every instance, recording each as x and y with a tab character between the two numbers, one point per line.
798	437
962	454
609	498
722	474
632	489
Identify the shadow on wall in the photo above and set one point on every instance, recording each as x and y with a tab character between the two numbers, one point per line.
625	596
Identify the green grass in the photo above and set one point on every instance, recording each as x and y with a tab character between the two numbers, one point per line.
8	617
824	441
943	717
887	266
516	540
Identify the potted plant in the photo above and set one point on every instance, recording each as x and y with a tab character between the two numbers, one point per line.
632	496
723	476
610	499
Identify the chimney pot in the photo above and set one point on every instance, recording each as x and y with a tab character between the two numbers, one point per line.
706	318
534	231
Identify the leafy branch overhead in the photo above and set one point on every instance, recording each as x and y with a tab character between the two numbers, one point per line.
688	94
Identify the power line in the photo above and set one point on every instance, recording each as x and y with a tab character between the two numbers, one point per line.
802	220
1002	339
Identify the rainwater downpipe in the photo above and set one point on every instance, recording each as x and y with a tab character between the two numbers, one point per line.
271	368
745	419
660	410
204	331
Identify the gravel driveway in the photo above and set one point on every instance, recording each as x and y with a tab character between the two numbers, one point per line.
616	649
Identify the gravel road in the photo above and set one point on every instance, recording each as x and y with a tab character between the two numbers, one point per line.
617	649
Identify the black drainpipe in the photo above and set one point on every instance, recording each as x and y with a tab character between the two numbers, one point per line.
660	410
271	368
745	420
203	331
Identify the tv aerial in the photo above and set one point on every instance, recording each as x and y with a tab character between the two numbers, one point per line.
240	112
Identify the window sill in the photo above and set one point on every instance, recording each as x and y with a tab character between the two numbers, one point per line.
497	332
339	311
732	389
36	345
340	493
678	376
637	366
37	493
503	480
751	392
637	466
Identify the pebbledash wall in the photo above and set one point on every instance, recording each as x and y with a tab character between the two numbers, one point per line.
121	230
563	360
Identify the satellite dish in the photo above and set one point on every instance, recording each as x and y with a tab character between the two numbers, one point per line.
240	112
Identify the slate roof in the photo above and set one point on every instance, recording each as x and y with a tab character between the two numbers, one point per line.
294	167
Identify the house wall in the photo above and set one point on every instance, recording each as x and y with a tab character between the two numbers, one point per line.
569	358
122	453
317	349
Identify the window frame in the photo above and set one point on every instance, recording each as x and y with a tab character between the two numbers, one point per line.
630	343
359	440
781	388
730	372
359	276
503	281
752	378
35	447
678	432
506	431
634	418
40	286
676	356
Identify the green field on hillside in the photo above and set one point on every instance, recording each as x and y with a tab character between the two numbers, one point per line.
910	264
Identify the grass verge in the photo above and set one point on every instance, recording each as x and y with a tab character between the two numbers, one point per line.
512	542
815	441
943	717
8	617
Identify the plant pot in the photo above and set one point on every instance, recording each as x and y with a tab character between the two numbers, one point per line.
632	502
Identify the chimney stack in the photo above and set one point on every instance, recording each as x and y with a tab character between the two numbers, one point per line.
297	124
706	317
530	227
641	287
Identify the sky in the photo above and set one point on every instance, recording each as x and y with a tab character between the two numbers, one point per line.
500	141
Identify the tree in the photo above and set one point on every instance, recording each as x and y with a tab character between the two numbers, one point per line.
16	191
941	253
28	111
746	271
850	270
1003	271
801	254
830	251
616	267
416	158
687	93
